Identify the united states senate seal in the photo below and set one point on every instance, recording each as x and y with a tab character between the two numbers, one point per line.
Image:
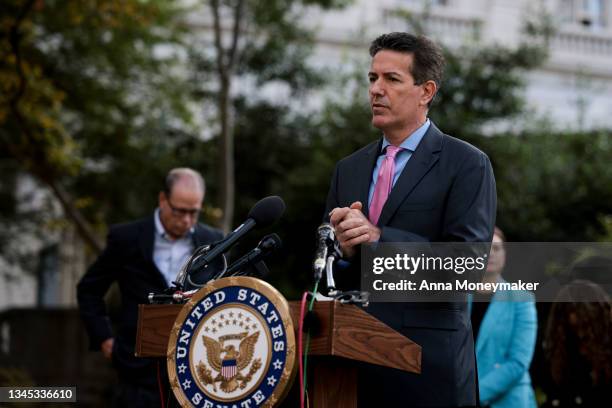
232	345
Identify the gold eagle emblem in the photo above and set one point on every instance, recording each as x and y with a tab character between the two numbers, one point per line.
229	362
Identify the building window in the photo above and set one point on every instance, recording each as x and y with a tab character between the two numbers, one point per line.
589	14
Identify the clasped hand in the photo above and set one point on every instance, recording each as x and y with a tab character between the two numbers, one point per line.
352	228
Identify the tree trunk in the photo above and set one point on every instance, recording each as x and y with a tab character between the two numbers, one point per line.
227	182
75	215
226	61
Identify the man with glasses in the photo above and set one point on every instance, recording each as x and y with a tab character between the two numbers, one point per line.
142	256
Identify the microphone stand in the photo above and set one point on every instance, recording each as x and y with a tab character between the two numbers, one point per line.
351	296
334	255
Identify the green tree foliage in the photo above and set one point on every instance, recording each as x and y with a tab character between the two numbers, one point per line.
87	92
121	113
91	100
260	43
483	84
270	139
553	186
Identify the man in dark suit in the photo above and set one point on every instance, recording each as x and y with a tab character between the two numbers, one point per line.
416	184
142	257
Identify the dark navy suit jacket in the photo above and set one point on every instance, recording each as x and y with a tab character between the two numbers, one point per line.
446	193
127	260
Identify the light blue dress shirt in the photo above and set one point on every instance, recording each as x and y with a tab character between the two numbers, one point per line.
409	145
169	254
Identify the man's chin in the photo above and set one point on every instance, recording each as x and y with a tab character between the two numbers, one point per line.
176	234
378	122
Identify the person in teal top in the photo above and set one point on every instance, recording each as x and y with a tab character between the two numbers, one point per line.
505	326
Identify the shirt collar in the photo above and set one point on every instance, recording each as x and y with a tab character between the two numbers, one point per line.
411	142
161	231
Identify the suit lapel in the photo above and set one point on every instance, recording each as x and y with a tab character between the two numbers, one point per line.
147	240
201	237
423	159
195	237
364	173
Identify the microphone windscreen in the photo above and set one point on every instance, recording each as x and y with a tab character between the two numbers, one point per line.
325	228
267	211
270	242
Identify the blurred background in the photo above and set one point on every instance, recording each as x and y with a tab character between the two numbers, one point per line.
99	99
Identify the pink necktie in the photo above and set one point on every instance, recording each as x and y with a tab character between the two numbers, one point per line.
384	182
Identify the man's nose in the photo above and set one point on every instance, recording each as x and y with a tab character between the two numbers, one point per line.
376	88
186	218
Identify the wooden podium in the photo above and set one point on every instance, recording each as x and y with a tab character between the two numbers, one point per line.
346	332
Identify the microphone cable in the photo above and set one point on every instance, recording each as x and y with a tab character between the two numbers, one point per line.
300	350
161	388
303	350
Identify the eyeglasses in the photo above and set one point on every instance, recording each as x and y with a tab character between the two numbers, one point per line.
181	212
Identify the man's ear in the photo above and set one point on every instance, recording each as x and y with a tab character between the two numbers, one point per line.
161	198
429	91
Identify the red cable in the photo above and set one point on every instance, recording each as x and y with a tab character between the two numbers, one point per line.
159	383
300	338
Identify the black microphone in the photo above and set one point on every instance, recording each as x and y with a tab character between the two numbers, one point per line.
263	214
325	237
176	297
266	246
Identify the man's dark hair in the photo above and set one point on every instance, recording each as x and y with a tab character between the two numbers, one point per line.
428	61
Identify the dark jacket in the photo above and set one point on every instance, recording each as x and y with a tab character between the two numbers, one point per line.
127	260
446	193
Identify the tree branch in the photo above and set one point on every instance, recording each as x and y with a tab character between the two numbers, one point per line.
235	34
214	5
82	225
14	39
62	195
